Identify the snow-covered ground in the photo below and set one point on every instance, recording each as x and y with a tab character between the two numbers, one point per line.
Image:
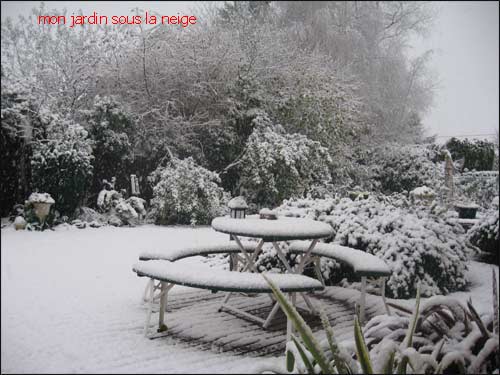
71	303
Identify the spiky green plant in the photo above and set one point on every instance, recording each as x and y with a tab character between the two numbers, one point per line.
330	361
398	352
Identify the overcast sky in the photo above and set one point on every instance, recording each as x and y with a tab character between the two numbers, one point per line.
464	38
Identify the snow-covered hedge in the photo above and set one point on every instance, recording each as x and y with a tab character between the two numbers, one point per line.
398	168
62	164
419	244
186	193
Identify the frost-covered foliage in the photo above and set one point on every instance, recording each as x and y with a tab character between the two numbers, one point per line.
484	234
21	123
278	165
396	168
476	154
478	187
118	211
62	164
186	193
419	244
447	333
439	336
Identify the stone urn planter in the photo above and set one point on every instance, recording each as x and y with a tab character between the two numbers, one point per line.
466	210
41	203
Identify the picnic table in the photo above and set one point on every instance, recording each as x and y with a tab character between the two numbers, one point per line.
273	231
162	265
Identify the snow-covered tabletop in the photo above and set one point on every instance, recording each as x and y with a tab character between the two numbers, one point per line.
282	229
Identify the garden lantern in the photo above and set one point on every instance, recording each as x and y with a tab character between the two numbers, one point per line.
238	207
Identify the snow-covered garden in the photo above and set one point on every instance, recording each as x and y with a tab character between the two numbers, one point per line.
123	150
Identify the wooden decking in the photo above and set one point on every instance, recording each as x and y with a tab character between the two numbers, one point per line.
193	319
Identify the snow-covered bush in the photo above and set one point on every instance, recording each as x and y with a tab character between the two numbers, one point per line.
186	193
118	211
478	187
398	168
452	334
419	244
62	164
484	235
138	204
277	165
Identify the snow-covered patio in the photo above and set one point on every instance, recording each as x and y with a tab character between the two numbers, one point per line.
71	303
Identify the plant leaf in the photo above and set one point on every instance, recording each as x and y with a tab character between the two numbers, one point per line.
290	361
339	362
389	365
477	319
495	302
303	355
300	325
408	341
361	349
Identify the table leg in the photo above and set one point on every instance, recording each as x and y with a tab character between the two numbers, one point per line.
249	260
255	255
282	257
306	256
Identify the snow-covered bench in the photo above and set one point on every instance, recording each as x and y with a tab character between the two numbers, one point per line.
163	267
179	252
363	264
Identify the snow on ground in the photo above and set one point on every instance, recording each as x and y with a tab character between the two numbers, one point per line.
480	289
71	303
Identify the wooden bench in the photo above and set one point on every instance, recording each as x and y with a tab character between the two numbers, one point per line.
363	264
162	267
179	252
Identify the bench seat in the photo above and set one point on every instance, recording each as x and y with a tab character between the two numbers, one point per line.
364	264
179	252
204	277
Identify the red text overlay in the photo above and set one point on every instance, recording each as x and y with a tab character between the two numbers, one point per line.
96	19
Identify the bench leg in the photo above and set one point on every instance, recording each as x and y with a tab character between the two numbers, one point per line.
150	307
226	299
146	291
382	293
308	303
163	304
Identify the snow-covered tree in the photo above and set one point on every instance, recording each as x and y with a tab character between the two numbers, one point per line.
110	126
277	165
62	164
